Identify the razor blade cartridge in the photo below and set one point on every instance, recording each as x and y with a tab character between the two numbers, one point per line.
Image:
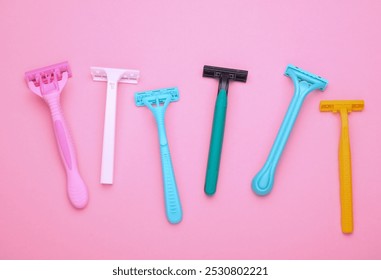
156	96
127	76
218	72
48	74
337	105
302	75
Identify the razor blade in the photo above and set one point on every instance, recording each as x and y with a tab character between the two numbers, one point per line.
47	79
337	105
302	75
156	96
232	74
46	74
102	74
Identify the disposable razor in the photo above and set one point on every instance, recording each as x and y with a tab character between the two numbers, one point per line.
112	76
304	83
48	83
344	107
224	75
157	101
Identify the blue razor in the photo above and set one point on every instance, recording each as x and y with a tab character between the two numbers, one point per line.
304	83
153	100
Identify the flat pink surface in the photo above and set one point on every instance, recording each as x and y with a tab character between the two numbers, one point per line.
169	42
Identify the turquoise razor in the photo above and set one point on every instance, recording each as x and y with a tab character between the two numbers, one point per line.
304	83
157	101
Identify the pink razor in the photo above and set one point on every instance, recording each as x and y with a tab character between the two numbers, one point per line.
48	83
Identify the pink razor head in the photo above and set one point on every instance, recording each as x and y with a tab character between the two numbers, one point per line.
48	79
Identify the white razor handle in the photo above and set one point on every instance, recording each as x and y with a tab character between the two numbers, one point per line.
112	76
107	169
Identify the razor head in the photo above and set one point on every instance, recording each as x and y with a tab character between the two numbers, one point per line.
338	105
219	72
128	76
298	74
155	97
48	74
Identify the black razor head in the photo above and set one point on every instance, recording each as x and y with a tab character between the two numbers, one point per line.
219	72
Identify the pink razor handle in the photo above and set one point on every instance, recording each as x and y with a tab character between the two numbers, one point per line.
50	93
76	188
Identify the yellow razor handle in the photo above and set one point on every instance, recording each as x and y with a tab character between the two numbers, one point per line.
344	107
345	175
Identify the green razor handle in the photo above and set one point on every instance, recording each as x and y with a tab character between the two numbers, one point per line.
224	75
216	142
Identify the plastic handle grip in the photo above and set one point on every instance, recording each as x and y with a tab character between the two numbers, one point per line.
172	200
216	141
263	182
107	168
345	176
76	188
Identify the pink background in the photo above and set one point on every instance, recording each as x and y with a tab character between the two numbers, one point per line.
169	42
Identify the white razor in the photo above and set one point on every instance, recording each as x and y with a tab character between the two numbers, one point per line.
112	76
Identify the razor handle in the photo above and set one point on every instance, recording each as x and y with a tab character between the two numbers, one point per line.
263	182
345	175
108	148
216	143
171	195
76	188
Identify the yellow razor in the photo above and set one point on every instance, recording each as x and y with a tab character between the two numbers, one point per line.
344	107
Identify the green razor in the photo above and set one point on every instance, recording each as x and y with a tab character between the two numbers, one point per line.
223	75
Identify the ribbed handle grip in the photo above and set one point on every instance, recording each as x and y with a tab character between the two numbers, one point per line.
172	199
76	188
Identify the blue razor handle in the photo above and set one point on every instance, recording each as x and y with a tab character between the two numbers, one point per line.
304	83
172	200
